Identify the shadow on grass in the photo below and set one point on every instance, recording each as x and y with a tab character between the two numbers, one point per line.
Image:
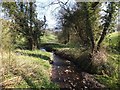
27	80
39	56
53	45
35	55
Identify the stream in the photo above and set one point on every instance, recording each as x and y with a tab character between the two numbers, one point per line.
66	75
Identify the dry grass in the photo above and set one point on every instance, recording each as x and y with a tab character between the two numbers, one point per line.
21	71
99	57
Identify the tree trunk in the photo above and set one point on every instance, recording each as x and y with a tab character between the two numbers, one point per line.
101	38
29	43
34	42
106	25
88	30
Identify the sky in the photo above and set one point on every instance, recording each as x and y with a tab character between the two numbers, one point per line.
44	8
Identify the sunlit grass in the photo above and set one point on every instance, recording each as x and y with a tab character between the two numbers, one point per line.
47	38
112	39
34	52
19	70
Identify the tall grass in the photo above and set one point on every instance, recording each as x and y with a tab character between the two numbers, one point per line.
24	71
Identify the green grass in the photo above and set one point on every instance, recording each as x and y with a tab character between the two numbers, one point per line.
47	38
35	54
112	75
26	69
113	40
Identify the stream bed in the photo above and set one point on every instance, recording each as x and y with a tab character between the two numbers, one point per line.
65	74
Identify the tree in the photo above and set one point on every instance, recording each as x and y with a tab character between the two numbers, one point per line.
24	16
85	21
78	19
107	21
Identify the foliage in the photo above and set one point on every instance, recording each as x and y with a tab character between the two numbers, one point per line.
110	78
6	35
25	21
107	20
111	71
83	23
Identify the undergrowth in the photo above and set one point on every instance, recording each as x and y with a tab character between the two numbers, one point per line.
111	76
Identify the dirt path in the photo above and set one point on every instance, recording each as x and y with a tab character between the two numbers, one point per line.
65	74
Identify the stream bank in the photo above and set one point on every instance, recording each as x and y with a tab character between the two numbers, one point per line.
83	62
67	75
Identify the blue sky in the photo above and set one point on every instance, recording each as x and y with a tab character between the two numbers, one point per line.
49	10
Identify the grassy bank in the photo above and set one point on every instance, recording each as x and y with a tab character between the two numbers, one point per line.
25	69
110	73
